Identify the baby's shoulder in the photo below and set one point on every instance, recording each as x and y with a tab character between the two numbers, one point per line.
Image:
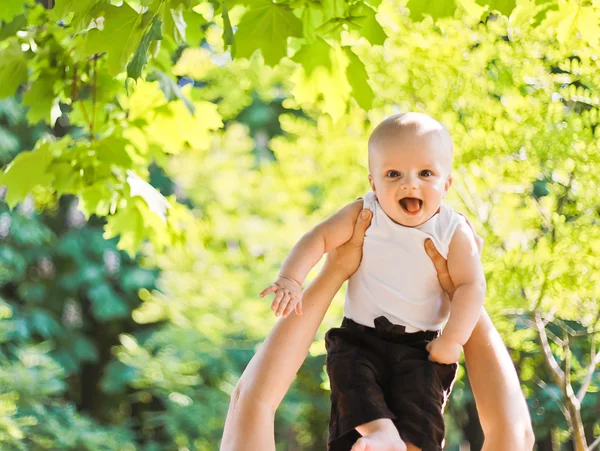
370	201
449	215
449	221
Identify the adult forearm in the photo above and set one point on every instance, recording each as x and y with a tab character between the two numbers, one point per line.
250	423
266	379
464	312
500	402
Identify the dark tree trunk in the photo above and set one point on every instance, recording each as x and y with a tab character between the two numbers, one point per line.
544	444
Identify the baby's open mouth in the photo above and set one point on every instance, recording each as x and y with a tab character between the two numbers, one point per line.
411	205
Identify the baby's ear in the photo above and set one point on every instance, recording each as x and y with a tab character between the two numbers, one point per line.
447	185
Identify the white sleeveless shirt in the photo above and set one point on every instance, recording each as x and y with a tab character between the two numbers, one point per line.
396	278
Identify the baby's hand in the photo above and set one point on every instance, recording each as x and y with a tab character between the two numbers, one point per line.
288	295
442	350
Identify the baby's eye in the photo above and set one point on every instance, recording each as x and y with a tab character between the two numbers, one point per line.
393	174
426	173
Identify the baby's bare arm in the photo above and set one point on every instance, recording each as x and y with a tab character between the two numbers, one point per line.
334	231
466	272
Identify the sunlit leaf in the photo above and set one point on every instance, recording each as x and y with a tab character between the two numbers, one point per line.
13	69
26	171
266	26
134	68
119	37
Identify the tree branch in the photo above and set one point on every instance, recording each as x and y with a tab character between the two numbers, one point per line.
556	372
76	95
544	386
586	334
595	360
549	334
593	445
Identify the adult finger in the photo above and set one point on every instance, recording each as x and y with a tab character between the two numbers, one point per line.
441	267
362	224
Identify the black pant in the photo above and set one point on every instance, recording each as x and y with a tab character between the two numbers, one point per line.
384	372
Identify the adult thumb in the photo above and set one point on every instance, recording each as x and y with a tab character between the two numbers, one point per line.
362	224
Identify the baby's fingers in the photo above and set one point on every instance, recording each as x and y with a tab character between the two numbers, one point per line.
277	300
285	299
269	289
299	308
290	307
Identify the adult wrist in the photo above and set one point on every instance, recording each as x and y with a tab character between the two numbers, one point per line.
334	271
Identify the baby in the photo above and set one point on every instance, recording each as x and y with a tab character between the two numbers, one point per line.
390	368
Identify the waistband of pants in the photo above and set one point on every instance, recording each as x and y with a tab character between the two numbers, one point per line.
384	328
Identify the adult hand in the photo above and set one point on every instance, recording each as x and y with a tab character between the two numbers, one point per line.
345	259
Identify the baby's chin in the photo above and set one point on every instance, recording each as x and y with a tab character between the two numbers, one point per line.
401	218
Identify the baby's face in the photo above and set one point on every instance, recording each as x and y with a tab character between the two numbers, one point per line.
410	174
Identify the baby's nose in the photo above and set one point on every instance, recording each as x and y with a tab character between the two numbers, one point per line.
410	184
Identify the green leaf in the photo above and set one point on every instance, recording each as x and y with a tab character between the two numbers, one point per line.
540	189
106	304
136	278
84	349
334	8
27	170
117	376
44	324
170	88
9	143
502	6
194	32
154	199
121	34
82	11
367	24
357	76
266	26
564	21
434	8
127	223
12	265
10	29
228	38
314	55
174	24
11	9
95	200
32	293
112	151
13	69
329	89
39	99
134	68
312	18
